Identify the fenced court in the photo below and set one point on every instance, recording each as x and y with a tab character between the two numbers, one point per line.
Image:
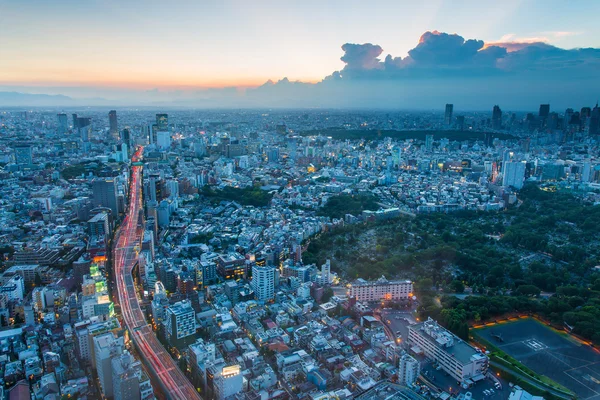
547	352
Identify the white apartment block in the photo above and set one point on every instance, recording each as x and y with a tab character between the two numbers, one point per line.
381	289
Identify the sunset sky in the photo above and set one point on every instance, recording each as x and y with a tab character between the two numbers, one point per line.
181	44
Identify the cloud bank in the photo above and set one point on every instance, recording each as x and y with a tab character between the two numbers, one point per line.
446	67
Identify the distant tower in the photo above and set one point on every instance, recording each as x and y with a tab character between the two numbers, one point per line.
429	142
448	114
543	114
595	121
497	117
113	126
162	122
63	123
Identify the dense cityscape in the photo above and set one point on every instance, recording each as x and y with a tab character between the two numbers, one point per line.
299	254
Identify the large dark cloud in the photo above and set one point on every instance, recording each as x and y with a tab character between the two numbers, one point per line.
441	54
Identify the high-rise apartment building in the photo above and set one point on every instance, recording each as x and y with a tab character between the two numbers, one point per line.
514	174
263	282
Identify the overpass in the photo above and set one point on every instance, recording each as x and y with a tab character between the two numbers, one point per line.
159	363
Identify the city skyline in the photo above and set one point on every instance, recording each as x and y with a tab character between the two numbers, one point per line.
222	55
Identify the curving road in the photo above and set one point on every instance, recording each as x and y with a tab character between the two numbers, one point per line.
159	362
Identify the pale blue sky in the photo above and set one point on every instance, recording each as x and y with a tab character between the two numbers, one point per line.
152	43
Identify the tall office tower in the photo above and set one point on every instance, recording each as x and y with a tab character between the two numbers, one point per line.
23	154
543	114
585	113
180	324
84	129
147	133
163	140
112	123
106	347
162	122
514	174
568	116
74	117
408	369
125	137
154	139
448	114
496	117
63	123
126	376
105	194
595	121
460	122
263	282
429	142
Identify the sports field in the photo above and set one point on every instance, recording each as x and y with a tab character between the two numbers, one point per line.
547	352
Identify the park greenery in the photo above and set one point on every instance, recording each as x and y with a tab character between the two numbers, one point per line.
83	168
250	196
339	206
376	134
505	260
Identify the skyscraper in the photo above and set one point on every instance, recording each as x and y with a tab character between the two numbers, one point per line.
63	123
105	194
496	117
263	282
113	126
543	114
162	122
595	121
448	114
126	137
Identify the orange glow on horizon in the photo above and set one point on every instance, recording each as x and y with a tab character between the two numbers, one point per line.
149	84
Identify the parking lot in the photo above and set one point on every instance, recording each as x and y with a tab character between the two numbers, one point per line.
482	390
398	321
